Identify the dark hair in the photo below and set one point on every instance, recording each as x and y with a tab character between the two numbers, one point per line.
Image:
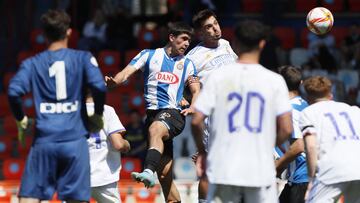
292	76
55	24
199	19
249	33
178	28
317	87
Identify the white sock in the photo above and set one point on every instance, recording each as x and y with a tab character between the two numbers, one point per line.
202	200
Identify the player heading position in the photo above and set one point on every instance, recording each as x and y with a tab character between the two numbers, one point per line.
294	157
331	134
58	78
166	72
211	53
105	159
250	111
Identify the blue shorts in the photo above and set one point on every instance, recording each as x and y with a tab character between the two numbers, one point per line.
60	166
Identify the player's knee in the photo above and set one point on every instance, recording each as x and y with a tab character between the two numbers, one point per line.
157	130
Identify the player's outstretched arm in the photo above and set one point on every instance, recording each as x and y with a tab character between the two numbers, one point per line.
119	143
112	82
284	127
296	148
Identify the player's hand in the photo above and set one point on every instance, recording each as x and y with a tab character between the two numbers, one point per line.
110	82
187	111
184	103
22	126
201	164
96	123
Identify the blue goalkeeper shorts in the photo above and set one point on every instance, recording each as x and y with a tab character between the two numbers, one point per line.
63	167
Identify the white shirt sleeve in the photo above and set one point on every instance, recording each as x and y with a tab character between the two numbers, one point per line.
305	123
112	121
140	59
205	103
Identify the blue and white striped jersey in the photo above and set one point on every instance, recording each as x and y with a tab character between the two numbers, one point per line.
297	170
164	77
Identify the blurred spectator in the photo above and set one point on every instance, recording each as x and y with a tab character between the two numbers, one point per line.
136	135
119	31
270	55
351	47
322	52
94	35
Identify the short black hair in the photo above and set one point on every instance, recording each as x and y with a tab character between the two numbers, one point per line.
55	24
199	19
249	33
292	76
178	28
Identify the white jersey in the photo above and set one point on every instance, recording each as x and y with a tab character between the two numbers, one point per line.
207	59
337	130
164	77
243	101
105	162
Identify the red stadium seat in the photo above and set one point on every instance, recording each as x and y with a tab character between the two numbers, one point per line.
334	5
286	35
116	100
304	37
252	6
10	126
22	55
6	80
109	61
305	6
136	101
146	37
339	33
228	33
129	165
4	106
37	40
6	147
354	5
129	55
144	195
74	38
13	168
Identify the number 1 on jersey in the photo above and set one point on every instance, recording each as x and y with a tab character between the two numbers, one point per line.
57	69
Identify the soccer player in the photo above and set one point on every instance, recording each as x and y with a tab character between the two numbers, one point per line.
105	159
166	72
58	78
332	144
250	111
211	53
294	157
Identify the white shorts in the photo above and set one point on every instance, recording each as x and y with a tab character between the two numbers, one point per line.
331	193
107	193
227	193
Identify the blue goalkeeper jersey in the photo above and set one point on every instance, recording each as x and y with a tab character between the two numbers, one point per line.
58	81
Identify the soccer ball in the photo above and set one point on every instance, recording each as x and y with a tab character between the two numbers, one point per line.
319	20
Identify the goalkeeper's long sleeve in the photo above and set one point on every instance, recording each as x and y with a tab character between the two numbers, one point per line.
16	107
99	100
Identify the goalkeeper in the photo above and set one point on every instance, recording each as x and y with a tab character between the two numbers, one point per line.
58	77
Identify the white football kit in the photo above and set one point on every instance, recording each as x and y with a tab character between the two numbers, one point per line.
208	59
105	162
243	101
337	131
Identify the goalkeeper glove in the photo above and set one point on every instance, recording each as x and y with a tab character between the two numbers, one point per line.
22	126
96	123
